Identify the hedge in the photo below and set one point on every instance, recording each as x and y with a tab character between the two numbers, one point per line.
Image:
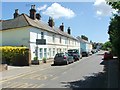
15	55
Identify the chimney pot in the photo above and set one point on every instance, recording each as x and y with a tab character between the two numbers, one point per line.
16	14
32	12
51	22
61	27
38	16
69	30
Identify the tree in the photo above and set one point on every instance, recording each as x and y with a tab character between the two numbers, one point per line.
84	37
107	46
114	28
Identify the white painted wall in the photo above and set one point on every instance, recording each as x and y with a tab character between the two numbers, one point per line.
27	36
35	33
15	37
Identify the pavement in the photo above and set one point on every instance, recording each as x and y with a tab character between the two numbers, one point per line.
113	75
18	71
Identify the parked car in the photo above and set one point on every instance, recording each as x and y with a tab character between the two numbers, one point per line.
108	55
63	58
85	54
75	53
90	53
94	51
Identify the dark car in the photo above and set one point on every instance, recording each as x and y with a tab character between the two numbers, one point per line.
75	53
63	58
108	55
85	54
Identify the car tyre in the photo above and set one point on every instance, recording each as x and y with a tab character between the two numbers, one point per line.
67	62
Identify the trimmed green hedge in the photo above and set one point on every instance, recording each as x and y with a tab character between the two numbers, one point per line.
15	55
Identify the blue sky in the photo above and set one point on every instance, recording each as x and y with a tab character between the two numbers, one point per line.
84	18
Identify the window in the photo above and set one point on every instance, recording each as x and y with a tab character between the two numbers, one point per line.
53	51
41	53
42	35
66	41
45	52
69	41
53	38
60	39
50	52
72	42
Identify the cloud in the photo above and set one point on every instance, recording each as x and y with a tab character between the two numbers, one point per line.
57	11
42	8
103	9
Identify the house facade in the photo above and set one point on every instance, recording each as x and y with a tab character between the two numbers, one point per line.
85	46
44	40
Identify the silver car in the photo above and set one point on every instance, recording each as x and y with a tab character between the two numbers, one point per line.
63	58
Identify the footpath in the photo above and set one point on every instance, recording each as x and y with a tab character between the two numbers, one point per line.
17	71
113	74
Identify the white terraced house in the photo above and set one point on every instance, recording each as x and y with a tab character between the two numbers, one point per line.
44	40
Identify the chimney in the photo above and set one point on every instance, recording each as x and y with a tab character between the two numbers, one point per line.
38	16
51	22
32	12
61	27
16	14
69	30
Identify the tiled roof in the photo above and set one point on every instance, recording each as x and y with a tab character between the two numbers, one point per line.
23	20
82	40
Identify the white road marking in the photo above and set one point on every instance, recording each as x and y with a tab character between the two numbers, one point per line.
64	72
12	84
34	86
11	78
39	86
54	78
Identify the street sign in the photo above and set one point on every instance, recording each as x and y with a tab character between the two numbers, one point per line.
40	41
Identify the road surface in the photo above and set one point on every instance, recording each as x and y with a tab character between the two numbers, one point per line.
85	73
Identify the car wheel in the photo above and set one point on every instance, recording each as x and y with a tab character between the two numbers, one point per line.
73	61
67	62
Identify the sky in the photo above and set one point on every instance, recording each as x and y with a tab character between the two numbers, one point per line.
84	18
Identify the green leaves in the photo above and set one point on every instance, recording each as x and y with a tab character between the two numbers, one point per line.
114	28
9	53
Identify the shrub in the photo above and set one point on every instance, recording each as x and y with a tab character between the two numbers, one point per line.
35	58
44	60
12	55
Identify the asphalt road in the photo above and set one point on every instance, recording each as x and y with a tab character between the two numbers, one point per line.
85	73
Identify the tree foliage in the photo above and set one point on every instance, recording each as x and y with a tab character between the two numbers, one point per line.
114	28
84	37
107	45
114	3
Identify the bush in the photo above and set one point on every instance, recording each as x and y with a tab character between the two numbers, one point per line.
12	55
44	60
35	58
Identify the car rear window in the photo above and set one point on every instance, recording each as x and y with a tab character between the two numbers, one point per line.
59	55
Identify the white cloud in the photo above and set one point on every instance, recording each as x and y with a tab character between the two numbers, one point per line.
42	8
57	11
103	9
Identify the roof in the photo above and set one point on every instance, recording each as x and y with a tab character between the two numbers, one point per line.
82	40
23	20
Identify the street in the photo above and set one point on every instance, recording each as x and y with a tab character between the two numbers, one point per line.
85	73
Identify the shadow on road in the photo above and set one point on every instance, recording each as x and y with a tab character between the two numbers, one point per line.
96	80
